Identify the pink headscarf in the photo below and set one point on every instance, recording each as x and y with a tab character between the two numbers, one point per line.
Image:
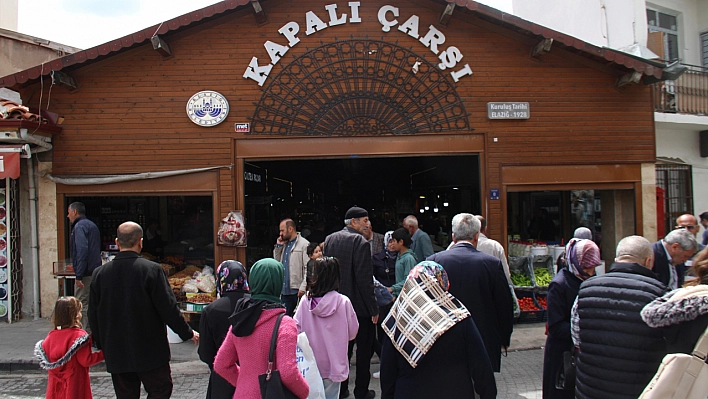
582	255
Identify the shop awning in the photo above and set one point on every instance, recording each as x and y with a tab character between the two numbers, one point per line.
10	161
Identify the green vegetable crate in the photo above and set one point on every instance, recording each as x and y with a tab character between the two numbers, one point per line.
521	273
543	270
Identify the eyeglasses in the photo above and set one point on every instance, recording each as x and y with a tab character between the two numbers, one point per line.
689	226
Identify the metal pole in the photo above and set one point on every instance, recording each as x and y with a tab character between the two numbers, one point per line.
34	236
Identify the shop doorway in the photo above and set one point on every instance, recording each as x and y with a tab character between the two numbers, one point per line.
317	192
551	216
176	228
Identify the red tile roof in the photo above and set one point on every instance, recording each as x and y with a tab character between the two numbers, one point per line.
600	54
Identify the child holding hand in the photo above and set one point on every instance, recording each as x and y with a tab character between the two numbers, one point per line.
66	353
328	319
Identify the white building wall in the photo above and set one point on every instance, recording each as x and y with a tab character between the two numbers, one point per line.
675	139
8	14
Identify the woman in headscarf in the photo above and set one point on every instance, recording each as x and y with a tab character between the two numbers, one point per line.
231	285
432	347
244	354
582	256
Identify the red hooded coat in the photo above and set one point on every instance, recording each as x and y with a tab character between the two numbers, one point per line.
67	355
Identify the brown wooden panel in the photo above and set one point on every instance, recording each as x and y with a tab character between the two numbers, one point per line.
570	174
267	148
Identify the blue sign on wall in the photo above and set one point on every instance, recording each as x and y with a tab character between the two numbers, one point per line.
494	194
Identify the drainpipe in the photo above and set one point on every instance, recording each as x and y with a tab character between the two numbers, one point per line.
41	143
35	235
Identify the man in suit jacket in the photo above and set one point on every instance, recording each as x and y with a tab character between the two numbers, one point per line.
130	304
670	254
479	282
354	255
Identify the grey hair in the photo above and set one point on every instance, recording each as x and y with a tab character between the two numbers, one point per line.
412	220
465	226
685	239
348	222
583	232
637	248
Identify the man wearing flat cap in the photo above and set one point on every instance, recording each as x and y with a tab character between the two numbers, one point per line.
354	254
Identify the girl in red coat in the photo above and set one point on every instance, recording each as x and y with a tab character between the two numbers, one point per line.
66	353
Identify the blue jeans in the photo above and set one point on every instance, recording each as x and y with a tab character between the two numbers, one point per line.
290	301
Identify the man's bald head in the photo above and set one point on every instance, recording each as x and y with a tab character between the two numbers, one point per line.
635	249
129	237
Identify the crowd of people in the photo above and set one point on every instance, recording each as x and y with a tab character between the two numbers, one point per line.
446	317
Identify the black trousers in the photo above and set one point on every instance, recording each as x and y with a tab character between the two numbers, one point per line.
364	341
157	383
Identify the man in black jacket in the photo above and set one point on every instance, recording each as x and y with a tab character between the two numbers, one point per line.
354	254
130	303
619	353
479	282
85	249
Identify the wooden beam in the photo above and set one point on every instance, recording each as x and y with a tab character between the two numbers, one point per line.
63	79
542	47
629	78
261	17
160	46
447	13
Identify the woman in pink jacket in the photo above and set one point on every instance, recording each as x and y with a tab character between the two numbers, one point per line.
244	354
328	319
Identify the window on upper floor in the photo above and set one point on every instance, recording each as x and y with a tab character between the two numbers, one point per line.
704	49
663	34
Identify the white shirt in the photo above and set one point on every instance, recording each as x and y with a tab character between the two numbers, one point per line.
492	247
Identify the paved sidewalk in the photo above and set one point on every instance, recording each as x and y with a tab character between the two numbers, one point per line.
21	377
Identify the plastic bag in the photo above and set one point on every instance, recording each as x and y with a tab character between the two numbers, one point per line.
308	367
190	287
206	283
232	231
517	309
207	271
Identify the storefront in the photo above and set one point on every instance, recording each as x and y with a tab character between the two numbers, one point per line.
302	110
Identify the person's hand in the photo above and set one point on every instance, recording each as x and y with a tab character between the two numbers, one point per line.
375	319
389	289
300	294
79	284
195	337
280	241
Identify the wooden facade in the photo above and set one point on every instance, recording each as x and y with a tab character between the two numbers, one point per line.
128	114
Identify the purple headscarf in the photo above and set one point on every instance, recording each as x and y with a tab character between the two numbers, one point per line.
582	255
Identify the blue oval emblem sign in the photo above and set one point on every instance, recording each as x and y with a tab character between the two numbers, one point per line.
207	108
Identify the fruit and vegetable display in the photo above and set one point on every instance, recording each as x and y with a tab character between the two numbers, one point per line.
201	298
542	301
543	276
527	305
521	280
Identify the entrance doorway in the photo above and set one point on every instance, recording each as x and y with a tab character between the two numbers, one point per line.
316	193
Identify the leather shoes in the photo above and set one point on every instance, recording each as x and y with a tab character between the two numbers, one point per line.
344	394
369	395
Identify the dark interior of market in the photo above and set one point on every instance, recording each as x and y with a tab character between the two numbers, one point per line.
317	192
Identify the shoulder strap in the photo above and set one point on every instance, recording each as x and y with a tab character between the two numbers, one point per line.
274	339
701	348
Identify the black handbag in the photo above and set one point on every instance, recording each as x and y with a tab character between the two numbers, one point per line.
270	382
565	379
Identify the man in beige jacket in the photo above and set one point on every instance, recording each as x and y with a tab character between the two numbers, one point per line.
291	250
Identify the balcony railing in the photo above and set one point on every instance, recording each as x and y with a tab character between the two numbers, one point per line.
686	95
